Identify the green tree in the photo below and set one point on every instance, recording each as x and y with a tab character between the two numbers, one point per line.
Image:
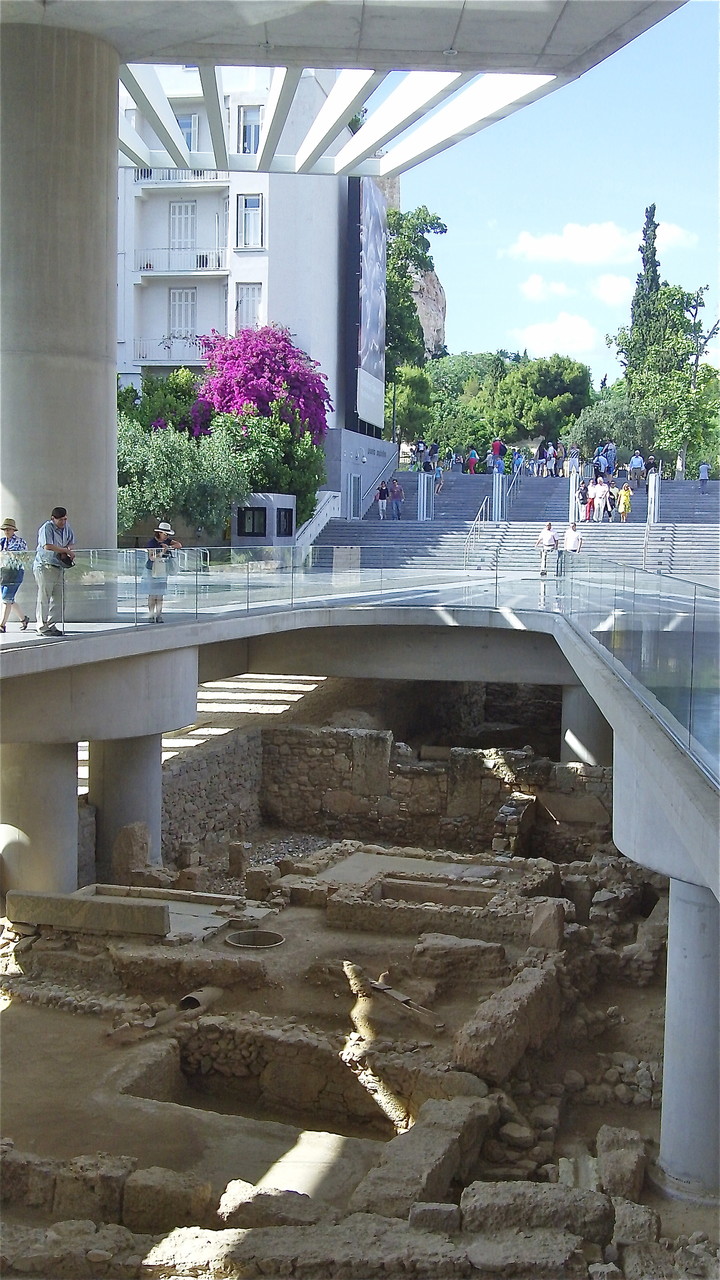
455	380
408	255
662	353
411	395
540	397
611	418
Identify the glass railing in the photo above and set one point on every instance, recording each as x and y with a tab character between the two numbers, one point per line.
658	633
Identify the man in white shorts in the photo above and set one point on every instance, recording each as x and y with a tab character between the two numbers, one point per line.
547	541
572	541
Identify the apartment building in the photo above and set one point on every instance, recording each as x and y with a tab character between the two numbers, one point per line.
200	249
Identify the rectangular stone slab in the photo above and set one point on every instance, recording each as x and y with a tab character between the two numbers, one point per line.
89	915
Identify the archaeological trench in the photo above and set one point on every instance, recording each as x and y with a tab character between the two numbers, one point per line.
393	1006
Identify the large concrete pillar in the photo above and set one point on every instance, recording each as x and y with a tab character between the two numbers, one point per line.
39	830
58	178
586	735
689	1162
126	786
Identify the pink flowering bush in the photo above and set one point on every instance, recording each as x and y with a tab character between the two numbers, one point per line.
260	368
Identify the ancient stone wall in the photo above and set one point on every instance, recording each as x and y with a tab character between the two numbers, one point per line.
344	782
213	789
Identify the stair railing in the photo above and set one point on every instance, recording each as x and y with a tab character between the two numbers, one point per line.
472	540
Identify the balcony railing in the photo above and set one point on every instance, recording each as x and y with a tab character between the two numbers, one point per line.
167	350
174	176
181	260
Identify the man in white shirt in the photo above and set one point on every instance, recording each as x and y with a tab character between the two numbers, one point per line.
636	468
572	541
600	500
547	541
704	476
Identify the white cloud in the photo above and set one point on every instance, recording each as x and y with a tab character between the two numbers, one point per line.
613	290
536	289
670	236
594	244
597	242
567	335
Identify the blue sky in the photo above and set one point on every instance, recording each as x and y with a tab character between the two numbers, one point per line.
545	209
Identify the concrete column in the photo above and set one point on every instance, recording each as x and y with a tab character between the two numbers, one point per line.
126	786
690	1124
58	240
586	735
39	805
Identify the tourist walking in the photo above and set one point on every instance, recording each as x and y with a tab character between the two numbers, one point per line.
12	572
550	458
636	468
560	459
611	455
625	503
600	497
472	460
584	501
599	462
547	542
55	553
651	468
540	458
572	542
573	459
703	477
397	497
381	497
438	478
159	564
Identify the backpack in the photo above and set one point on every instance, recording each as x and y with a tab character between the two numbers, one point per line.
502	450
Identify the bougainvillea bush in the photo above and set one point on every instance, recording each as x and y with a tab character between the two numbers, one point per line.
262	367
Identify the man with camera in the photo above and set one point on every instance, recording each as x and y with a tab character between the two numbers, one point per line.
55	553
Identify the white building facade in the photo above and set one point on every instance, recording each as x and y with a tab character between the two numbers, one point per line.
202	250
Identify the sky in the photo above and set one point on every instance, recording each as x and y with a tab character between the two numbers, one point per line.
545	209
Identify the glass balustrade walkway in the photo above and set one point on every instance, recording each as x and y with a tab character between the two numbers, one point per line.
657	633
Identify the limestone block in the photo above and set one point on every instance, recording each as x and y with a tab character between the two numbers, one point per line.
441	955
158	1199
92	914
494	1039
27	1179
634	1223
258	881
639	1261
92	1187
131	850
548	923
540	1255
419	1164
622	1173
499	1206
517	1135
435	1217
371	762
244	1205
621	1161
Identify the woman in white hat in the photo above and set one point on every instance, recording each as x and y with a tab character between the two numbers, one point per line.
11	572
159	560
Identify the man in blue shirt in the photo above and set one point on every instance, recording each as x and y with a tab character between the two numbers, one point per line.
55	553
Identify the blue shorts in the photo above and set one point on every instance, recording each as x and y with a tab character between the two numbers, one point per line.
9	592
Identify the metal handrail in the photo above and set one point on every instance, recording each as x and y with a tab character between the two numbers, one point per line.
328	506
472	538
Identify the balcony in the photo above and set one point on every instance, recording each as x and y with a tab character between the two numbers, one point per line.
172	177
181	261
180	349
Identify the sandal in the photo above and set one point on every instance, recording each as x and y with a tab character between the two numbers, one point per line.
24	623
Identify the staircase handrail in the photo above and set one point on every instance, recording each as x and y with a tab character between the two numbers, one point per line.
472	538
387	470
513	488
328	507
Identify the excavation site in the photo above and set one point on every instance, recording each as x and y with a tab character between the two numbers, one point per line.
393	1006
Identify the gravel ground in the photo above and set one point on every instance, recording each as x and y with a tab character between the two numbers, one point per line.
268	845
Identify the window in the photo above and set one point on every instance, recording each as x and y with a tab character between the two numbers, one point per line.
182	313
249	222
189	129
247	306
248	130
183	223
252	522
284	522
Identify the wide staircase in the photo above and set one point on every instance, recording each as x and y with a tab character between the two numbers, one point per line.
681	544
